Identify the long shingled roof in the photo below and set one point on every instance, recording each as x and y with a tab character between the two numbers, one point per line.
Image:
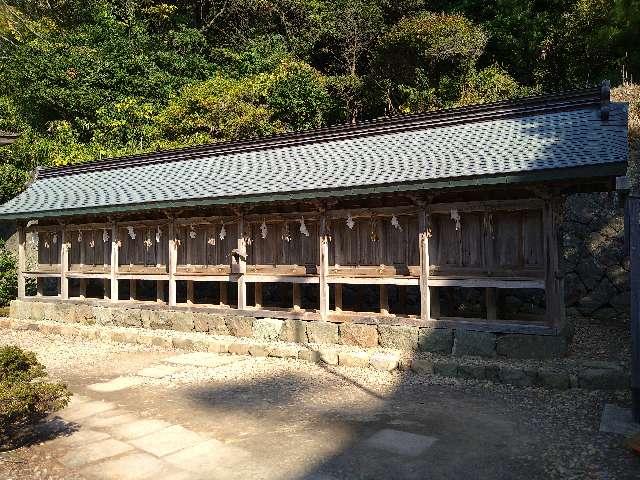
560	136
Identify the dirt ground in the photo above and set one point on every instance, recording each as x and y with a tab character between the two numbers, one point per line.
142	412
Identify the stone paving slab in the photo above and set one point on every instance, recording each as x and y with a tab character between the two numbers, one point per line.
169	440
202	359
400	443
132	466
138	428
618	420
110	418
160	371
84	436
92	452
117	384
79	410
209	457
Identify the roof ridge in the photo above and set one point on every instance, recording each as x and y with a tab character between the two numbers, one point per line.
525	106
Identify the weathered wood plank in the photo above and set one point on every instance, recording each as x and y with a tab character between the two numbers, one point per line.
323	269
64	265
172	241
22	261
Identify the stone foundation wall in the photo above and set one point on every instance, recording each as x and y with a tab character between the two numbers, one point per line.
594	263
458	342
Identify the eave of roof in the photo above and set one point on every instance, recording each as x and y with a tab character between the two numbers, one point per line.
607	170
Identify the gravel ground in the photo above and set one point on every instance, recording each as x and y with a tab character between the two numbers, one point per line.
565	444
595	340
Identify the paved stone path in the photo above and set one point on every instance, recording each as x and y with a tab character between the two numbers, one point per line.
111	443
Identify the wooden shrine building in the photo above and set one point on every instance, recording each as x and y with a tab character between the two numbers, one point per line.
420	209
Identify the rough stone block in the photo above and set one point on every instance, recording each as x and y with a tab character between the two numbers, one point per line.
353	359
284	351
445	369
328	355
182	321
438	340
240	326
182	343
386	361
14	308
309	355
163	321
150	318
603	379
201	322
531	346
358	334
294	331
145	338
83	314
219	346
400	337
259	350
217	324
553	379
164	342
422	366
5	323
239	348
469	342
102	316
517	376
322	332
267	328
50	312
36	311
476	372
127	317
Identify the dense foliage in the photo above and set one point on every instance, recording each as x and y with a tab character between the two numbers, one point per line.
93	78
25	397
8	276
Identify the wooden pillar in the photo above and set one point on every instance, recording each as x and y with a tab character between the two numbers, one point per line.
190	292
434	293
160	291
337	290
384	299
241	264
257	294
423	239
490	297
633	217
40	287
115	260
107	289
83	288
297	300
64	265
554	288
133	289
223	294
323	269
22	261
173	263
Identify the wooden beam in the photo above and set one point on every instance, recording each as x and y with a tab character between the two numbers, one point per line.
257	294
297	299
190	292
633	216
490	297
22	262
223	294
554	288
435	301
384	300
115	260
160	291
241	264
133	289
64	265
337	290
173	263
423	248
323	269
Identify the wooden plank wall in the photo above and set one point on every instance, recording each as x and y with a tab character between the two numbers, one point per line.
205	249
49	247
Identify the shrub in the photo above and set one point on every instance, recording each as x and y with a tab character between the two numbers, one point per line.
25	395
8	276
